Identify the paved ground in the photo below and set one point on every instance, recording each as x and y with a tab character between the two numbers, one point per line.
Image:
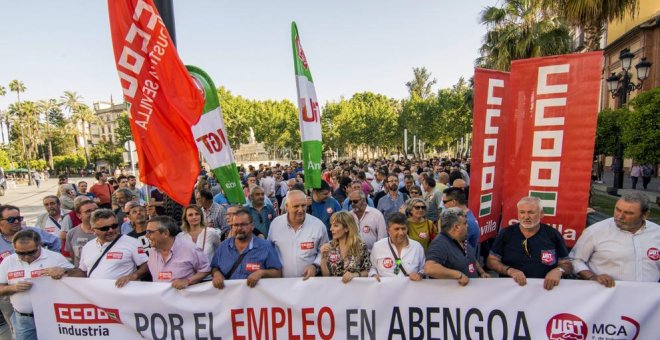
29	198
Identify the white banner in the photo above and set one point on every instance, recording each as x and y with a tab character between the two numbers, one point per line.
362	309
210	134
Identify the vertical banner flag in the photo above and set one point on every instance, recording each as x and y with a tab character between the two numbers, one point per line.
211	137
554	107
309	114
164	101
488	136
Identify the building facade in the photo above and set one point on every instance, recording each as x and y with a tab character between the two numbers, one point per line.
108	115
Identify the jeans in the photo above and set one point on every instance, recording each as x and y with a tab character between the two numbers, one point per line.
24	328
634	181
7	311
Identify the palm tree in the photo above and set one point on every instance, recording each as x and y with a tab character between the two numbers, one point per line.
592	16
420	86
70	101
46	106
18	87
3	92
86	117
521	29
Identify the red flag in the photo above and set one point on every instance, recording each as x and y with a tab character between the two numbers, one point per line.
488	135
554	106
164	100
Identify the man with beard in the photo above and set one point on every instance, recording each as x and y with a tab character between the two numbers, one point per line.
530	248
297	237
393	200
137	216
622	248
244	256
77	237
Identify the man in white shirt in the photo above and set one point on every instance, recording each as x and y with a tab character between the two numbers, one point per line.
54	220
370	221
111	255
297	237
622	248
28	262
397	255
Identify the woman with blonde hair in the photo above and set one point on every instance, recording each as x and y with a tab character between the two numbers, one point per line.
420	228
346	255
194	228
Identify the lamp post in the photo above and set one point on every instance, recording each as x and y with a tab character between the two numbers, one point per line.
620	86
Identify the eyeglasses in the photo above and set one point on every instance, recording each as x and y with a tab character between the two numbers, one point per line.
240	225
446	201
354	201
108	227
525	249
419	207
13	219
27	253
414	192
149	232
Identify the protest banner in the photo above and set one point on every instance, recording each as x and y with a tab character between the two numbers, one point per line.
550	137
164	101
309	114
75	308
488	136
210	134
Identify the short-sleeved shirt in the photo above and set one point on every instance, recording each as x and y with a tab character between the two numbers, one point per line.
47	223
297	249
49	241
142	240
324	210
450	254
103	192
545	248
383	261
261	219
421	232
260	254
121	260
371	226
76	239
388	206
473	232
208	240
14	270
215	217
337	265
185	260
346	205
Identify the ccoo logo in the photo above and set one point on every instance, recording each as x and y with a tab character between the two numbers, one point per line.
566	326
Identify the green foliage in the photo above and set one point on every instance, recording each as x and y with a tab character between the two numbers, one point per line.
69	162
608	130
5	162
123	130
109	152
38	164
641	128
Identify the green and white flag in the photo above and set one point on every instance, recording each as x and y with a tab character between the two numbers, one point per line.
309	114
211	137
548	201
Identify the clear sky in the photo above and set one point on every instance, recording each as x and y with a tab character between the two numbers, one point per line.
351	45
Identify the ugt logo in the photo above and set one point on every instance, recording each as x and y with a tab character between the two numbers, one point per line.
566	326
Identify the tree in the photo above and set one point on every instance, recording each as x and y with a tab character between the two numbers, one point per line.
521	29
3	117
18	87
608	130
641	128
123	130
47	107
421	84
592	16
84	115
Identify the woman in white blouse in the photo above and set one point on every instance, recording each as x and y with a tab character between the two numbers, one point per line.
193	227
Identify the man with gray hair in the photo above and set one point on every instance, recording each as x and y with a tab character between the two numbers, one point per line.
449	255
120	198
621	248
530	248
370	221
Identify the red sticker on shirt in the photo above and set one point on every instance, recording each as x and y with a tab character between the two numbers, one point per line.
422	236
306	245
15	274
329	211
471	267
653	254
114	255
140	250
164	276
388	262
548	257
366	229
38	273
270	216
251	267
4	255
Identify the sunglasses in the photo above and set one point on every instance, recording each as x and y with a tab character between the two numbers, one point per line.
446	201
13	219
108	227
419	207
525	249
354	202
27	253
414	192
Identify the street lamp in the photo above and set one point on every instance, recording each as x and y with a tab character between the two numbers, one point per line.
620	86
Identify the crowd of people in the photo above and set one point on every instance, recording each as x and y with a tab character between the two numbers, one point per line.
401	219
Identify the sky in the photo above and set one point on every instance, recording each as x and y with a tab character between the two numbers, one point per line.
245	46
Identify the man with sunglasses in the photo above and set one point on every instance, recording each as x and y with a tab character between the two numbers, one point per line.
16	271
370	221
111	255
530	249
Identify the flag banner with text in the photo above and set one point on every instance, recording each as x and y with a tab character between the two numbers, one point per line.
164	101
76	308
309	114
553	103
210	134
488	137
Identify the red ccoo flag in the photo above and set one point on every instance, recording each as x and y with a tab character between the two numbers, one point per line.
164	100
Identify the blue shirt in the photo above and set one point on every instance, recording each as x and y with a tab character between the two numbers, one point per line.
49	241
346	206
473	231
261	219
260	255
323	210
220	199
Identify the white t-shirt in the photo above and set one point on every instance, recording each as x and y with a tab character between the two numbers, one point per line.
122	259
13	270
371	226
383	261
208	245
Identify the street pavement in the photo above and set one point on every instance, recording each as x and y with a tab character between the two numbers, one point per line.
29	198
